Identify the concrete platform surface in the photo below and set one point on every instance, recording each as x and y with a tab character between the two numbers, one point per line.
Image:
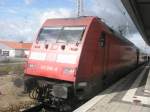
127	95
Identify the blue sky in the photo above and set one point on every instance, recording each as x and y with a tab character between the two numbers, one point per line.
22	8
21	19
37	3
17	9
18	16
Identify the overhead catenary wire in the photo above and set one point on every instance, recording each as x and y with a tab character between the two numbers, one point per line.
124	13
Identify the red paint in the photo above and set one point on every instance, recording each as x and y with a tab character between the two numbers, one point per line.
92	60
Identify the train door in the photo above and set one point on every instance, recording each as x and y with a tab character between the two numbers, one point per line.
99	65
104	46
102	50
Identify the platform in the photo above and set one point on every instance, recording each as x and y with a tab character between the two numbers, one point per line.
130	94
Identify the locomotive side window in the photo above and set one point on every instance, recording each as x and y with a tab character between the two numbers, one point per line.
102	39
61	34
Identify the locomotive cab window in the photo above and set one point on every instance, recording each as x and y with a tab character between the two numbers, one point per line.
49	34
61	34
102	39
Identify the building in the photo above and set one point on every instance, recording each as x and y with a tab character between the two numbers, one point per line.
14	49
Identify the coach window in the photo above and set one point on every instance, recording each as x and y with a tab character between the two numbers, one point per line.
102	39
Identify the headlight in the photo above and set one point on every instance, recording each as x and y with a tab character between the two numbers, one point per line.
60	91
82	84
69	71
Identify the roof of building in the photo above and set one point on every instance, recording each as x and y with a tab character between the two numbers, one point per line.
16	45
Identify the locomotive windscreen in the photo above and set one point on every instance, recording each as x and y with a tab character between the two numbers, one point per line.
61	34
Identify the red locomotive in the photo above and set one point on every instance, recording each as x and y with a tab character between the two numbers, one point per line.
77	58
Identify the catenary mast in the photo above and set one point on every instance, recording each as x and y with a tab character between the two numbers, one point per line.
80	9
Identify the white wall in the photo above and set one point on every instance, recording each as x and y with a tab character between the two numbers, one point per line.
12	53
27	52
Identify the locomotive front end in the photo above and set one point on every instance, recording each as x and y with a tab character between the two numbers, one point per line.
54	57
56	52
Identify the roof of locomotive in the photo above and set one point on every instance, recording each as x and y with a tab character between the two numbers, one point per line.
85	20
122	37
82	21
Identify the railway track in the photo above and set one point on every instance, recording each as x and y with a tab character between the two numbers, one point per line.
41	107
33	108
45	107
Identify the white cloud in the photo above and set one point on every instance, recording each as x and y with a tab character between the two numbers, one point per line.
12	11
139	42
60	13
110	10
27	28
16	30
28	2
112	13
